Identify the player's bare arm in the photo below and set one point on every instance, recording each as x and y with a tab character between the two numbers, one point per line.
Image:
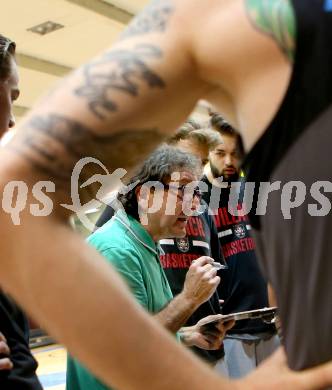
110	108
118	96
139	90
250	62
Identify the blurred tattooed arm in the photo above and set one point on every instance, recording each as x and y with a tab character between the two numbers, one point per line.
117	108
110	108
121	105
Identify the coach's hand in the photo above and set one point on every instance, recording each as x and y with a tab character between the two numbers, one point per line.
201	281
208	337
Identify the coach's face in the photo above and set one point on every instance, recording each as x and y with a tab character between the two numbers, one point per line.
164	211
9	92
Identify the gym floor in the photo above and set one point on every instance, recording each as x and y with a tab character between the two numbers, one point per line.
52	366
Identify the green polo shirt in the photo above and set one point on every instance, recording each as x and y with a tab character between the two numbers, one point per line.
125	243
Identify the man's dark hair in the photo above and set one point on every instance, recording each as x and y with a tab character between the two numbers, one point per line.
7	51
183	131
201	133
218	123
158	167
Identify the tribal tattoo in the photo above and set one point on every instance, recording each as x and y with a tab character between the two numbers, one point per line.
118	70
154	18
53	144
275	18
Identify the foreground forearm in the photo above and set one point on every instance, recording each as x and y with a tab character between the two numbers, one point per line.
83	285
176	313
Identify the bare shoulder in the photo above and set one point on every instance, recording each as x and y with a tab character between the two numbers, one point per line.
245	48
275	18
229	29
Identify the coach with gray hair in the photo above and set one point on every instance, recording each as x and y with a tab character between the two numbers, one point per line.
153	210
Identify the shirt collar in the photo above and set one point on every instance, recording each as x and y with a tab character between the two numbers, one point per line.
138	231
